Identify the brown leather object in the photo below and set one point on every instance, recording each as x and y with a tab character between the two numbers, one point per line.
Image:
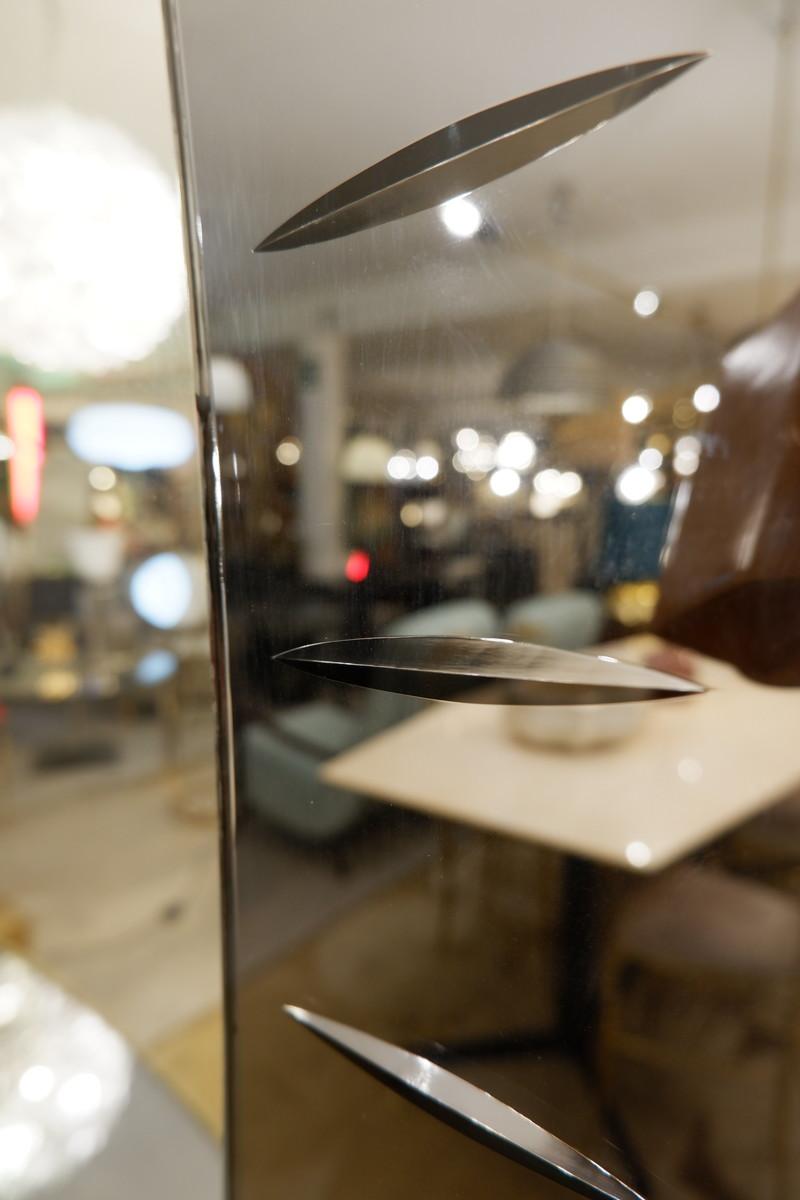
731	580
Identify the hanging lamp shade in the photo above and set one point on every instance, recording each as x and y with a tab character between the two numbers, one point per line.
557	376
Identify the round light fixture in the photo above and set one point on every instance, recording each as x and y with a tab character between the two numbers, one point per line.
646	302
706	397
636	409
131	437
168	590
91	256
461	217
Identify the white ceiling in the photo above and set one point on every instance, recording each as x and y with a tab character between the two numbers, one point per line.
291	97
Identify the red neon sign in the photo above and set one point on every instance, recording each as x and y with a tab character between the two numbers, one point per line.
25	425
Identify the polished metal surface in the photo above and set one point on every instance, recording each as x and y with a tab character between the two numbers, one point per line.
452	668
468	1108
472	152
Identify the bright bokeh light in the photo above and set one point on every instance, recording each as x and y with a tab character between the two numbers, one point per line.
161	590
651	458
36	1083
154	667
402	465
516	450
637	485
131	437
546	482
427	467
6	447
638	854
545	504
461	217
91	245
411	514
102	479
504	481
467	438
569	484
646	302
686	459
289	451
706	397
356	569
636	408
80	1096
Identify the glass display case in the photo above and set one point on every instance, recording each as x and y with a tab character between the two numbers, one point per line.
500	450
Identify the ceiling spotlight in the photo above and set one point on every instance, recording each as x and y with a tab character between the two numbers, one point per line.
636	409
427	467
706	397
646	302
637	485
461	217
504	482
516	450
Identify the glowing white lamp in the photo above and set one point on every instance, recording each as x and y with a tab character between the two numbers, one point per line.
131	437
91	257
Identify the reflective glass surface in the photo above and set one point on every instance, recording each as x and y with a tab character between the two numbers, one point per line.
110	964
560	409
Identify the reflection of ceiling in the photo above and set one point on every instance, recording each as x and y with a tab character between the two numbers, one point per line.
670	194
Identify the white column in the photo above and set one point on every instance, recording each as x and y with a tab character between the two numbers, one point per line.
323	416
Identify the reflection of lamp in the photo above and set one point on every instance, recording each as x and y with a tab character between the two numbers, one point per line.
169	590
231	387
91	261
364	459
557	377
65	1078
132	437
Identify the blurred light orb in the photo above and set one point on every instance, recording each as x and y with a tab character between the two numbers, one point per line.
638	854
636	409
467	438
155	667
102	479
131	437
427	467
402	465
36	1083
570	484
504	481
6	447
547	482
651	458
646	302
289	452
545	504
461	217
412	514
637	485
91	254
706	397
516	450
168	590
